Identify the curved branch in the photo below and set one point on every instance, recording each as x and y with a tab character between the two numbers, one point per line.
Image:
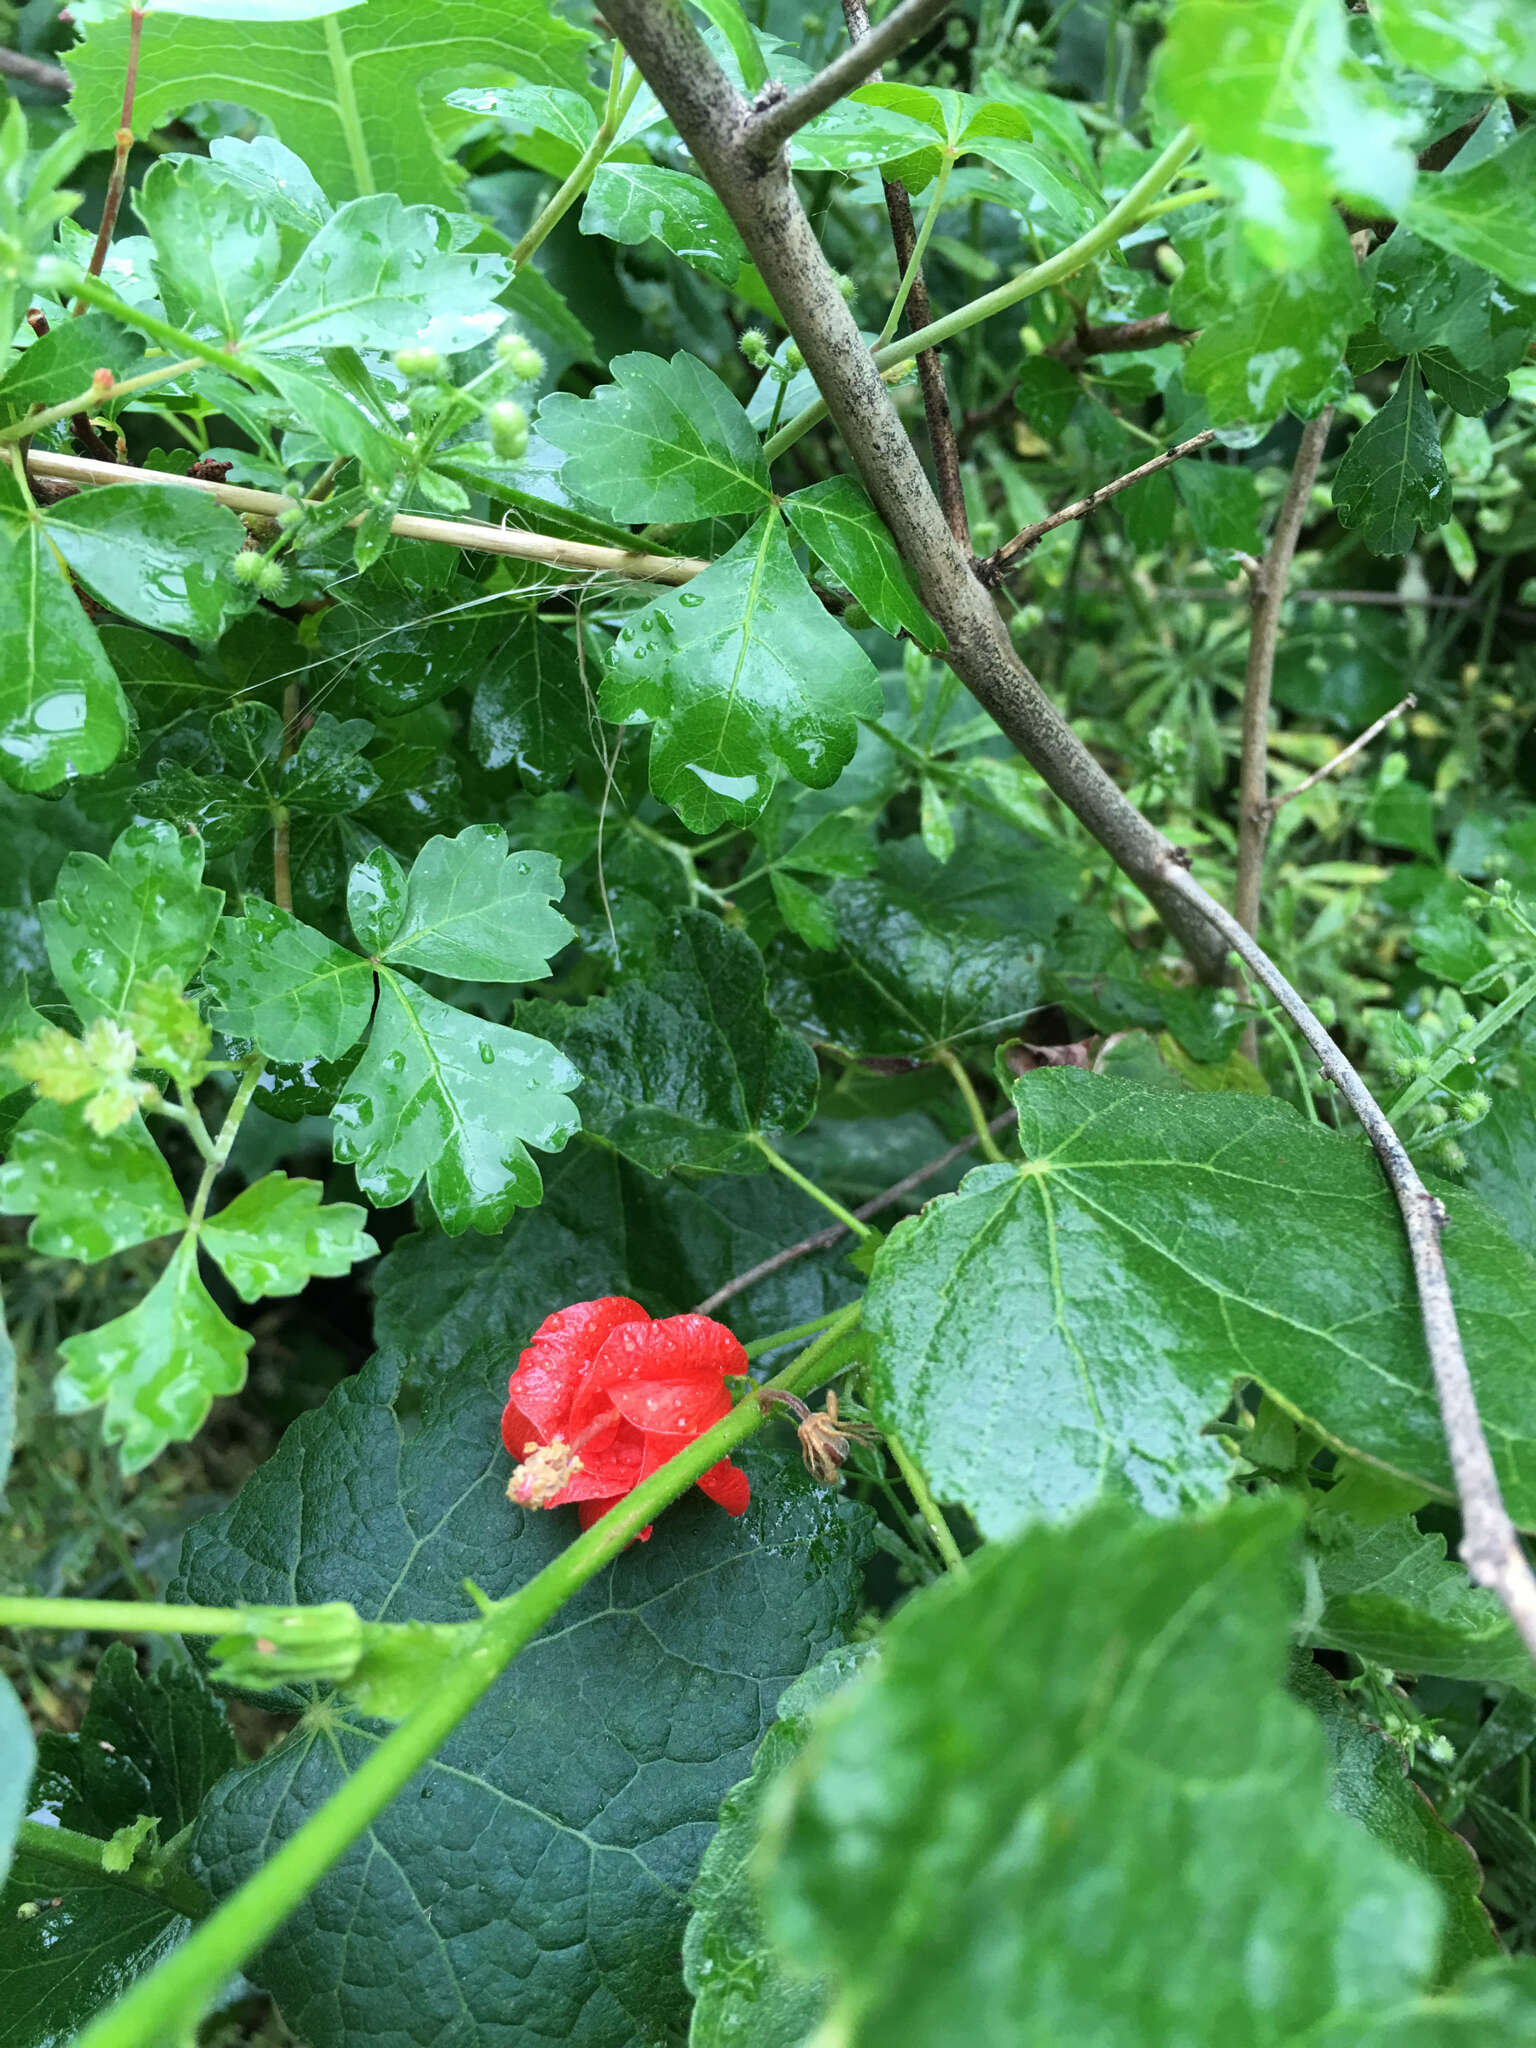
996	566
772	121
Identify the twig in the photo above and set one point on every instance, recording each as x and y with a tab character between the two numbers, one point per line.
1116	338
577	556
1490	1547
1345	754
123	144
1405	600
996	566
35	71
775	115
821	1239
1268	582
930	364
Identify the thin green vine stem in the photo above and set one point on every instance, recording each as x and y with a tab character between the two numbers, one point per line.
760	1346
218	1159
951	1061
1124	215
1454	1054
620	100
919	248
95	293
164	2005
933	1516
829	1202
23	429
138	1617
154	1879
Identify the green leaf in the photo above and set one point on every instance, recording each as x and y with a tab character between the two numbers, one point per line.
1372	1786
344	92
745	678
382	275
1295	119
218	246
16	1753
849	137
142	912
635	203
663	441
61	711
327	772
1107	1756
1278	343
1156	1248
531	708
1223	505
1393	479
89	1195
1501	1152
163	557
158	1368
1464	43
291	991
376	899
730	19
1486	214
1392	1596
842	529
63	361
7	1447
456	1101
478	912
342	427
577	1876
276	1236
742	1990
684	1064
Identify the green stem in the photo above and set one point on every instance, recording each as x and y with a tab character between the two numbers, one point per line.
927	1506
218	1159
34	422
95	293
346	106
833	1207
1453	1055
948	1058
760	1346
915	260
172	1997
139	1617
1126	214
619	104
83	1852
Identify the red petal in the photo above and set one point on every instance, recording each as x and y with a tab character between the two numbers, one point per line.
727	1484
517	1432
682	1408
680	1347
550	1371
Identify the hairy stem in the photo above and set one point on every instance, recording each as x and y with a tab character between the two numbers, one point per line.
218	1159
92	292
20	430
174	1995
139	1617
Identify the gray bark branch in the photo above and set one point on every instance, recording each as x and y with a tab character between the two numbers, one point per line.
772	120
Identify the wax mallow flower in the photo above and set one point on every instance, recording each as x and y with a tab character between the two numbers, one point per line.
603	1395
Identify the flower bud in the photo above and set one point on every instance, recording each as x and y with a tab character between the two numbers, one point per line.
1474	1106
520	357
418	362
290	1645
509	429
246	567
754	346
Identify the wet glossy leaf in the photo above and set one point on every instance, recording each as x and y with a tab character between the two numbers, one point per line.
143	911
276	1235
163	557
286	987
1391	1595
1486	213
1465	43
1109	1750
745	678
451	1099
218	247
62	712
1154	1250
89	1195
531	709
66	358
361	122
339	425
474	910
684	1063
1393	479
382	275
634	203
376	899
535	1887
842	528
157	1369
396	656
526	110
327	772
663	441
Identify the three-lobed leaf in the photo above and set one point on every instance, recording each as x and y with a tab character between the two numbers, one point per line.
841	528
143	912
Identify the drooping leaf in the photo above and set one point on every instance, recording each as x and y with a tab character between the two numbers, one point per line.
841	527
635	203
1155	1249
1391	1595
741	1987
663	441
531	709
524	1888
157	1369
89	1195
1393	479
163	557
289	989
341	426
684	1063
344	92
1465	43
218	244
62	712
1486	213
142	912
745	678
276	1236
449	1098
1107	1754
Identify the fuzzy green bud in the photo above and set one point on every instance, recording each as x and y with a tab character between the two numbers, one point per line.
271	578
508	425
520	357
418	362
1474	1106
291	1646
754	346
1449	1156
246	567
793	359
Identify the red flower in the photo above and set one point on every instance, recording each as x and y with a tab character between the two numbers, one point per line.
603	1395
